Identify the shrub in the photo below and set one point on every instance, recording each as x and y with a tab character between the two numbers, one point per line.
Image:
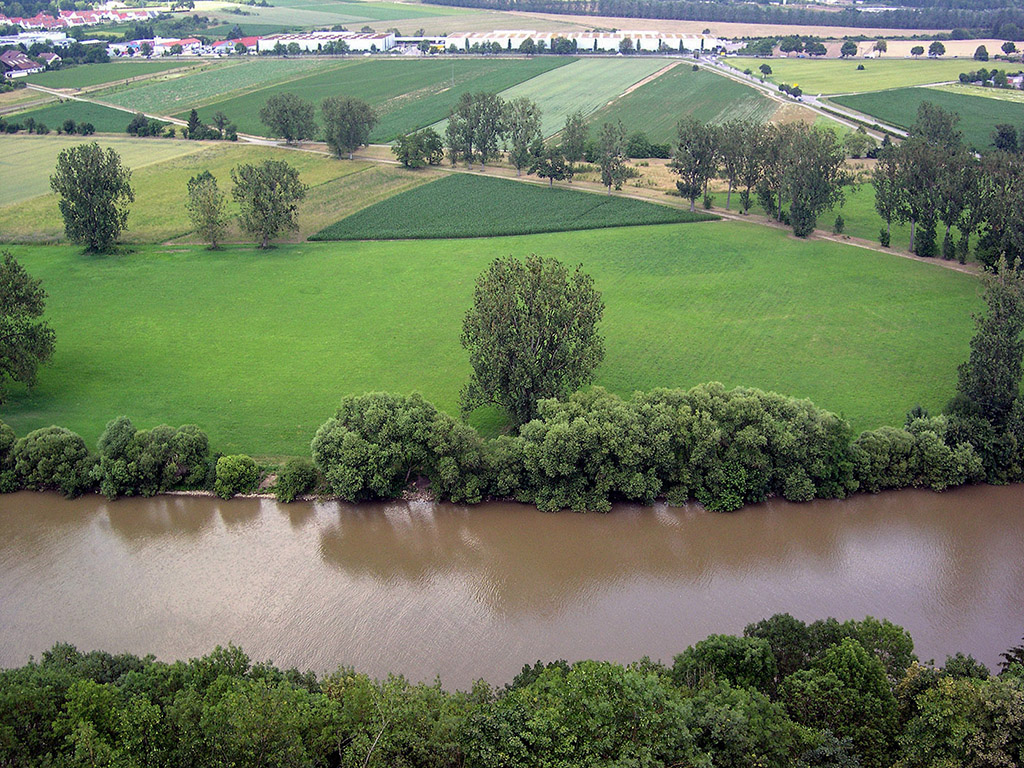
8	478
839	226
298	476
883	238
377	443
53	458
236	474
147	462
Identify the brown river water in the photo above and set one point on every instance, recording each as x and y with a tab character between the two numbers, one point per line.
469	592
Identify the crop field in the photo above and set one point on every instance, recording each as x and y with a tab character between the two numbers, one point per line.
830	76
656	107
165	96
978	115
104	119
258	348
31	159
309	13
408	94
336	188
87	75
460	205
585	84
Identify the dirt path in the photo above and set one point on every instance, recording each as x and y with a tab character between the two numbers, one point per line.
646	80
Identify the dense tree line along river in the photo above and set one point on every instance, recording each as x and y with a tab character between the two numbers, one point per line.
427	590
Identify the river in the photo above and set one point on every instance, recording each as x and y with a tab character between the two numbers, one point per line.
467	592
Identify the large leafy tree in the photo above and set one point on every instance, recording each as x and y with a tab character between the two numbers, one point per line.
531	334
612	155
25	341
268	195
574	136
205	204
815	176
347	124
522	121
289	116
696	158
94	191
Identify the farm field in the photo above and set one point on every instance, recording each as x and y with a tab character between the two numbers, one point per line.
860	333
585	84
978	115
831	76
159	214
305	14
408	94
104	119
1014	95
85	75
460	205
31	160
165	96
657	107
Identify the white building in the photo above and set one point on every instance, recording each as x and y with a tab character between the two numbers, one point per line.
317	41
642	40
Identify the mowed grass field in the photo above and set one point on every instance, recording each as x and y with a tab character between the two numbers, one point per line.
586	84
104	119
657	107
830	76
27	162
978	115
336	187
460	205
258	348
407	94
85	75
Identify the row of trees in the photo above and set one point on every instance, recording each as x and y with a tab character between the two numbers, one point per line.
796	171
783	695
932	178
482	124
347	122
94	195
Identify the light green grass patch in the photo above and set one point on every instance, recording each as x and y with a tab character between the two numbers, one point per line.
978	116
258	348
407	94
1001	94
461	205
657	107
586	84
213	83
829	76
85	75
32	159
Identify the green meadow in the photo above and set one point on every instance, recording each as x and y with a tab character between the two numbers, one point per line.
657	107
103	119
830	76
978	115
258	347
490	207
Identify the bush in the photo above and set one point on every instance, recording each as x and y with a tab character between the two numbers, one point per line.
147	462
8	478
376	444
745	662
53	458
883	238
839	226
236	474
298	476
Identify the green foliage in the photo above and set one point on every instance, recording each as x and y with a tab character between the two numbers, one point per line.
419	149
847	691
205	204
531	334
236	474
53	458
268	196
26	342
347	124
95	191
8	477
611	155
297	476
916	456
378	443
289	116
460	205
743	662
147	462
